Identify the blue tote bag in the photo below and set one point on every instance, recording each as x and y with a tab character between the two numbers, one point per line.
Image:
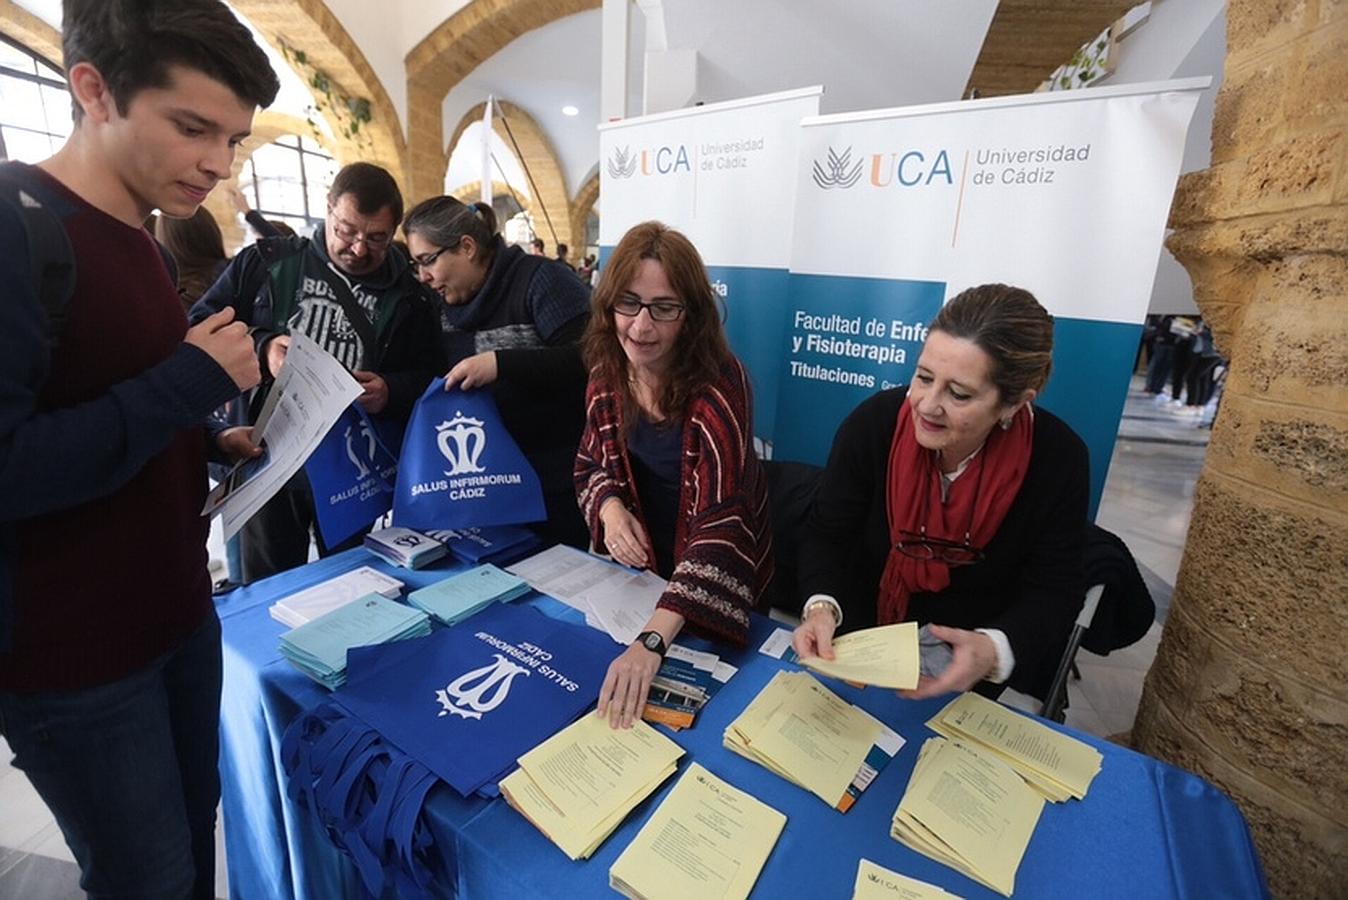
467	701
460	467
352	474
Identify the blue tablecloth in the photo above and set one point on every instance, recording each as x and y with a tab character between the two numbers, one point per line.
1145	829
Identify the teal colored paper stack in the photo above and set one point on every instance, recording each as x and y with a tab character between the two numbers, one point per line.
460	596
318	649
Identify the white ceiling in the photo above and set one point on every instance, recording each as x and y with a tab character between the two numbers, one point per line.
867	54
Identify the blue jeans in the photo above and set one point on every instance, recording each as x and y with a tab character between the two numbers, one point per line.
130	771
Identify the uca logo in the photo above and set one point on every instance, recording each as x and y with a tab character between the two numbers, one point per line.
623	163
461	697
461	441
837	171
365	434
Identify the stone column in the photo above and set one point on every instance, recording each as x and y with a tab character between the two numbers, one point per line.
1250	684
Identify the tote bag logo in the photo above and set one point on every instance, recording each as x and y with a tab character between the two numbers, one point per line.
837	170
365	435
461	697
461	441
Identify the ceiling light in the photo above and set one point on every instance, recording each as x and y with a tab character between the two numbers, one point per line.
570	111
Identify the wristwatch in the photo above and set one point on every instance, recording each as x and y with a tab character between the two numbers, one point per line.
652	641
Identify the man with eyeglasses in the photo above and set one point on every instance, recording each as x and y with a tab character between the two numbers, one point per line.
354	293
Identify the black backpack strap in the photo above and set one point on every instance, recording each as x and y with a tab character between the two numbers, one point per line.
356	315
51	257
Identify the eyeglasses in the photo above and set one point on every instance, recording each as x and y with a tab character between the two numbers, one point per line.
919	545
351	236
660	311
421	262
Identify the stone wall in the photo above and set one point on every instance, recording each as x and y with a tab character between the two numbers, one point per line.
1250	686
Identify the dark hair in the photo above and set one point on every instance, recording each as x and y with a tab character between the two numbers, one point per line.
537	244
445	221
1011	327
134	43
197	247
371	186
700	350
562	250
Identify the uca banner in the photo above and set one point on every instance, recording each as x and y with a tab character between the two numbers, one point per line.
352	472
468	700
1064	194
460	467
723	174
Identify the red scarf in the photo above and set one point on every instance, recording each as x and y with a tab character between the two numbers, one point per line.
988	494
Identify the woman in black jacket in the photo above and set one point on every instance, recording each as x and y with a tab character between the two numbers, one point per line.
955	502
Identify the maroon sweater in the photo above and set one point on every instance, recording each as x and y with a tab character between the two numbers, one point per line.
723	538
115	574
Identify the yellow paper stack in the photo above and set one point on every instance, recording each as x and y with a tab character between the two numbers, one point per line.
578	785
878	883
810	736
1057	766
968	810
885	657
707	839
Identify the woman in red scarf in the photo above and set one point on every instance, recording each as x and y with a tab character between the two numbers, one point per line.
955	503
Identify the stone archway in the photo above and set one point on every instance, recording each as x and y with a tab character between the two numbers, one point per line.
18	24
445	56
267	127
582	206
548	200
310	26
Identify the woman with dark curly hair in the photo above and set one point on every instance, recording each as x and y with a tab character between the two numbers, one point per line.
666	473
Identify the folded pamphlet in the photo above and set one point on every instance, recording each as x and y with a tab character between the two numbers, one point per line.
578	785
1056	765
707	838
306	605
686	681
969	810
318	648
404	547
459	596
810	736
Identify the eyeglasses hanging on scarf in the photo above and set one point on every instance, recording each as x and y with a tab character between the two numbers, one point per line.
919	545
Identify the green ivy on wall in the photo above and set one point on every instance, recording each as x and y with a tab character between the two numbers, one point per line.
348	117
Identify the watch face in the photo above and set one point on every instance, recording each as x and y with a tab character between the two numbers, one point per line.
653	642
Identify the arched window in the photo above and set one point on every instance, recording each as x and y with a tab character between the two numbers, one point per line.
34	105
288	180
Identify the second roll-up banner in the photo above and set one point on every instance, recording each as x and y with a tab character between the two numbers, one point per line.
890	213
725	175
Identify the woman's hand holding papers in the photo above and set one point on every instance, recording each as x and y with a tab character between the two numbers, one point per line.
623	694
975	657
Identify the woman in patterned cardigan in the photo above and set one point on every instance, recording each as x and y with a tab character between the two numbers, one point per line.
666	474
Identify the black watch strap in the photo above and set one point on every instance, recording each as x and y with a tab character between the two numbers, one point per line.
653	641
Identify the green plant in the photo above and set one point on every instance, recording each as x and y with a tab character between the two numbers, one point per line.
347	116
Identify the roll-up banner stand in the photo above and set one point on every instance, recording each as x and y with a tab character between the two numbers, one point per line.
725	175
1064	194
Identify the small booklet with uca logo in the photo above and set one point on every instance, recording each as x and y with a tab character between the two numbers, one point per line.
578	785
707	839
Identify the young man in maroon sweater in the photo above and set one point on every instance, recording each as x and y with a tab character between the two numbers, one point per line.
109	644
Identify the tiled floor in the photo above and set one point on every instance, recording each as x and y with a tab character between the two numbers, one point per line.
1147	501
